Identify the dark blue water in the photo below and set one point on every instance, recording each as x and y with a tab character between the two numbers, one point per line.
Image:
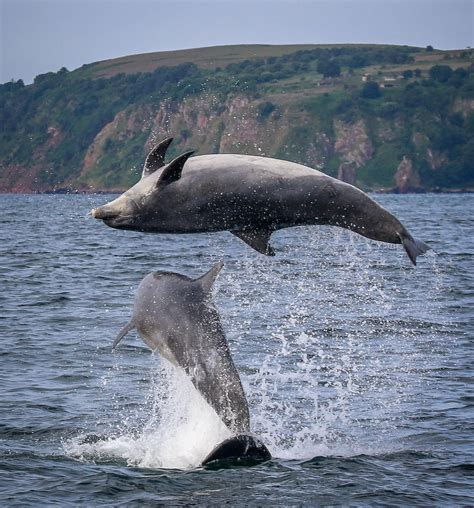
357	366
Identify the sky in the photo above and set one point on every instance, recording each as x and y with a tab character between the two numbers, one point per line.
38	36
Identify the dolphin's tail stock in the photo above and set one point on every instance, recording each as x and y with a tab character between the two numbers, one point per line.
413	248
129	326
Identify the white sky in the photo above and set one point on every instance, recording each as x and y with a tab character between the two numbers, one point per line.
38	36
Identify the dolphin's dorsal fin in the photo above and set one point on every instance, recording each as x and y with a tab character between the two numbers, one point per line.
257	239
208	279
156	158
172	171
129	326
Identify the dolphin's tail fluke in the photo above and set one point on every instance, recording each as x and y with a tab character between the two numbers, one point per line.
129	326
413	248
242	449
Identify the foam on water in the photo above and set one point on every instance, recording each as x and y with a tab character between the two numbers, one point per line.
180	432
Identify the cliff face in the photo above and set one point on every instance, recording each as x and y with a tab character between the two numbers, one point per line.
406	179
208	126
232	127
354	147
113	159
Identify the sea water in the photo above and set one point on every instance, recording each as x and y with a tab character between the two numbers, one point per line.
357	366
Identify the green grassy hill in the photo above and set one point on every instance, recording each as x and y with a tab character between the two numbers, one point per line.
205	58
381	117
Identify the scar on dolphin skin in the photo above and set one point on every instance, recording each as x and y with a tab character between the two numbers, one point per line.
251	197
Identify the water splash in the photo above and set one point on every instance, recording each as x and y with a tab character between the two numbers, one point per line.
180	431
326	341
332	376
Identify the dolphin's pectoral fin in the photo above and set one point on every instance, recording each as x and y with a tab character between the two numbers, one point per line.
257	239
172	171
412	246
208	279
156	158
129	326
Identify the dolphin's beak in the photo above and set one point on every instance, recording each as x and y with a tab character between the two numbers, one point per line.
96	213
104	212
121	208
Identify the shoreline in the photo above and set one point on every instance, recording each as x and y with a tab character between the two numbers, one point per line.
66	191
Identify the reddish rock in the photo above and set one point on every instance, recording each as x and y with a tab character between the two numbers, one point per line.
352	142
435	159
406	178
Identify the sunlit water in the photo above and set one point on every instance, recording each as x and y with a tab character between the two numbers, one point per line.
357	366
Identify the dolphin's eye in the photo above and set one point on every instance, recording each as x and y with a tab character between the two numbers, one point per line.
136	207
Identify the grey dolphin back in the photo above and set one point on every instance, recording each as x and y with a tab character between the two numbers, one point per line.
211	368
215	376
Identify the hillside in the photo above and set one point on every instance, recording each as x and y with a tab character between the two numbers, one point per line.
381	117
205	58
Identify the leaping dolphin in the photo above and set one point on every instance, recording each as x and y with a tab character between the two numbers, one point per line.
176	316
249	196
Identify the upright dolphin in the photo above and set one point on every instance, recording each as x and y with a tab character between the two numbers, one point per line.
249	196
176	316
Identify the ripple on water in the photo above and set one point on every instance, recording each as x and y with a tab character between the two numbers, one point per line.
356	365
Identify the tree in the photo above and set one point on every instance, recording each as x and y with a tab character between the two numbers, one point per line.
441	73
458	77
429	48
370	90
357	61
328	68
407	74
412	95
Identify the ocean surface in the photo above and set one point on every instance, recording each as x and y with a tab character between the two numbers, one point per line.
357	366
